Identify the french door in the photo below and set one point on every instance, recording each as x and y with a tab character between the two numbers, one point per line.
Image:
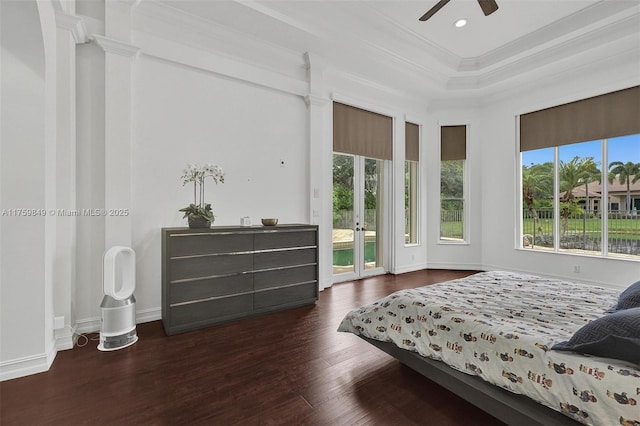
358	202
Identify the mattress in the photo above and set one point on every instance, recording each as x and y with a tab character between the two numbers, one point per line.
500	326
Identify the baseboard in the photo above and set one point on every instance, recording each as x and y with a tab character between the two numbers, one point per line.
26	366
88	325
92	325
325	284
456	266
148	315
65	338
410	268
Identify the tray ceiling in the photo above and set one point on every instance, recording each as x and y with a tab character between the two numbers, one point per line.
383	38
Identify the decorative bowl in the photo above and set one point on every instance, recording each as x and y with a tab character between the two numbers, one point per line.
269	222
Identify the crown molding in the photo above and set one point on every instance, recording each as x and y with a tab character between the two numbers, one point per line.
388	54
164	21
624	75
444	56
620	30
75	25
217	33
578	21
262	8
584	35
208	61
110	45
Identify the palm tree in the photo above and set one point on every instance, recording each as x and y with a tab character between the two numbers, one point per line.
589	175
626	173
536	180
572	174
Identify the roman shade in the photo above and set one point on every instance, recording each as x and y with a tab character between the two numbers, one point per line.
605	116
412	141
453	143
360	132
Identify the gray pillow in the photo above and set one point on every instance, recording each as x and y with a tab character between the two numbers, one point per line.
612	336
630	298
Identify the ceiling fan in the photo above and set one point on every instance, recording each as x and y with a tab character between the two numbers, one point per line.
488	7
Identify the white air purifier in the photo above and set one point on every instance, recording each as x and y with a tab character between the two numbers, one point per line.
118	322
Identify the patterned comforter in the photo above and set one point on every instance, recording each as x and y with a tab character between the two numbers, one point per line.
500	326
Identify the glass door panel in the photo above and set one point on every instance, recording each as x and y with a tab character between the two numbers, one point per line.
343	214
357	216
372	204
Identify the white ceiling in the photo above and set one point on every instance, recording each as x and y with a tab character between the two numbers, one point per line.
513	20
381	38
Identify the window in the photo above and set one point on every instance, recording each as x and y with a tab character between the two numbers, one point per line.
577	196
623	195
579	178
412	158
453	141
537	198
597	207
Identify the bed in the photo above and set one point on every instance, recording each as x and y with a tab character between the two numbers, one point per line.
488	338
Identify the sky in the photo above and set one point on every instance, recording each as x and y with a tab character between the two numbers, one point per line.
624	148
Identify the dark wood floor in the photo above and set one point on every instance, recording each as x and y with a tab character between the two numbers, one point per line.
290	367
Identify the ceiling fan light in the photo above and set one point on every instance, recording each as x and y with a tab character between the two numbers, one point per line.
460	22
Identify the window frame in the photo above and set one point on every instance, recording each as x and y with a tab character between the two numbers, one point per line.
413	158
466	217
604	224
414	190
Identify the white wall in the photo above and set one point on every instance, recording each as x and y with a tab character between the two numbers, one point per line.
27	242
183	115
455	255
498	154
193	106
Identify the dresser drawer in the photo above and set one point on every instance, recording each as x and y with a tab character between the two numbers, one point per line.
212	287
280	277
209	243
276	259
284	239
208	266
211	310
285	295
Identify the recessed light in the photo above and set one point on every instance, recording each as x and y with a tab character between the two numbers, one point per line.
460	23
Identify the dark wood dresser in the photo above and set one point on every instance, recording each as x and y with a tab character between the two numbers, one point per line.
219	274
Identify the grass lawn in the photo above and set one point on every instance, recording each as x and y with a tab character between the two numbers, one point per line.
451	230
626	229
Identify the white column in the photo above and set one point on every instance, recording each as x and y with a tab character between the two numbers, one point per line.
71	30
320	164
119	60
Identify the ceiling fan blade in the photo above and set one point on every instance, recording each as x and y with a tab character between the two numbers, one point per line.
434	9
488	6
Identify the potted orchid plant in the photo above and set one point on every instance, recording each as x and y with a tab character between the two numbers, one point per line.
199	213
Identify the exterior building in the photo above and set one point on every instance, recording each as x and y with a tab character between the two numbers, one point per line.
617	194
